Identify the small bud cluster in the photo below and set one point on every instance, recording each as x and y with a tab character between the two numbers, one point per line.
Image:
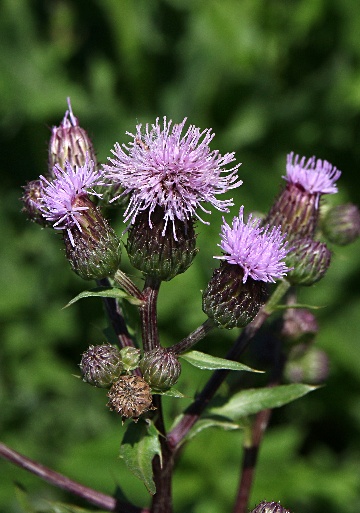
106	366
270	507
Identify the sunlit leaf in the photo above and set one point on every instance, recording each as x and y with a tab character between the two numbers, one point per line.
253	400
206	361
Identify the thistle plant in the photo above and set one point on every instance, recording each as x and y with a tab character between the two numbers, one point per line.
161	183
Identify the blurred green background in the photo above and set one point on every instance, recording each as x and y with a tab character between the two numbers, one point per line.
269	77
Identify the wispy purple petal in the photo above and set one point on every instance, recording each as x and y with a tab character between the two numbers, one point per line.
314	175
58	201
162	167
260	251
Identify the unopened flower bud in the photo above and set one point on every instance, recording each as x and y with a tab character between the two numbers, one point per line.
69	143
306	365
299	324
229	301
295	210
31	200
270	507
341	224
130	357
161	251
160	368
101	365
92	247
130	396
309	259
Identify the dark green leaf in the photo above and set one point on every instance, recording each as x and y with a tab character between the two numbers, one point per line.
206	361
105	292
253	400
138	448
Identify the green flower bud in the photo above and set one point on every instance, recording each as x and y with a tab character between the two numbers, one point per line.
341	224
160	368
130	397
157	253
130	357
101	365
69	143
270	507
310	260
230	302
94	251
306	365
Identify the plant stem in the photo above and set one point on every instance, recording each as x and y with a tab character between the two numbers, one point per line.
193	338
258	428
148	314
249	461
127	285
162	470
116	317
193	412
94	497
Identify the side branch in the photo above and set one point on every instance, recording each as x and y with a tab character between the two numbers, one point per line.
97	498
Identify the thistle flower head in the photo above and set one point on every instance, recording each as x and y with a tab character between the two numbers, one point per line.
58	202
314	175
161	167
260	251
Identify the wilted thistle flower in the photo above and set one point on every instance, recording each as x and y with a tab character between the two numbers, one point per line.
341	224
69	143
167	176
270	507
253	256
130	396
160	368
92	246
296	209
101	365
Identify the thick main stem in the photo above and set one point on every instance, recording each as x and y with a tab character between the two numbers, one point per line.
148	314
162	470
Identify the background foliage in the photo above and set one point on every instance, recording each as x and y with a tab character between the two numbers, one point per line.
269	77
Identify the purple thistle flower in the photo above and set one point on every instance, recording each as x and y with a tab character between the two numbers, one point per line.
58	201
163	168
257	249
315	176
